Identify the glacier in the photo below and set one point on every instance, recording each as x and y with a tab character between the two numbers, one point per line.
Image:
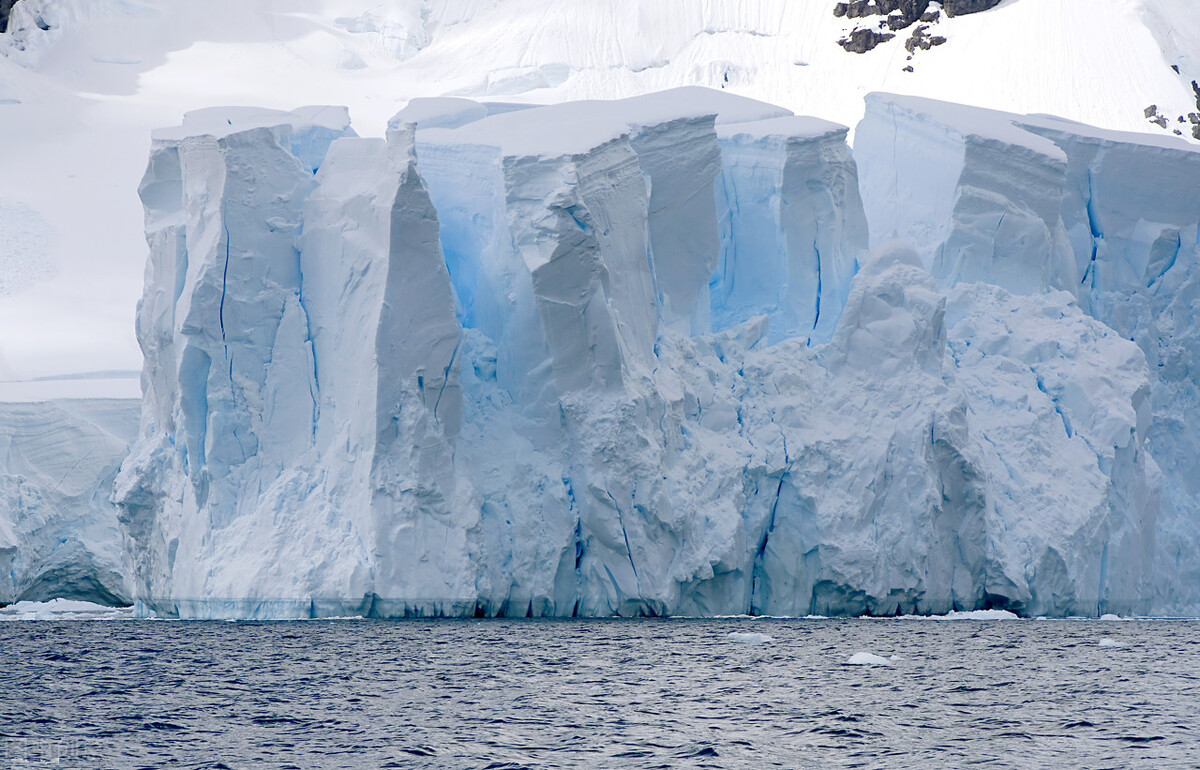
60	536
680	354
1123	239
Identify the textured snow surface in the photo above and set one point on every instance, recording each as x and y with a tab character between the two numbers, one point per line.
446	375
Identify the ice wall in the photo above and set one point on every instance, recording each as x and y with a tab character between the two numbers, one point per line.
793	227
59	534
1131	206
471	369
978	196
1128	205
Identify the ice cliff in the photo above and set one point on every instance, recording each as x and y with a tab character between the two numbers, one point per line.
59	534
633	357
1111	217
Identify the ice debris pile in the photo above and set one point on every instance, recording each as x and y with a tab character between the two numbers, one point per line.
632	357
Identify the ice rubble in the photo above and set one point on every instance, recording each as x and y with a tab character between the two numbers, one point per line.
59	534
607	358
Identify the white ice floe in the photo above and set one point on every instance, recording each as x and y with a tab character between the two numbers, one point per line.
63	609
981	615
867	659
749	638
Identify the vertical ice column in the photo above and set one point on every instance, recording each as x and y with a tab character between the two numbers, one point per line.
681	161
674	136
387	342
378	293
231	389
242	194
546	247
978	196
1131	203
793	227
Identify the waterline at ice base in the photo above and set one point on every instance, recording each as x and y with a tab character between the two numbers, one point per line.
678	354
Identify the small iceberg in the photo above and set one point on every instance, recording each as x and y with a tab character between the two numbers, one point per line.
967	615
747	638
63	609
1110	643
867	659
1110	616
982	615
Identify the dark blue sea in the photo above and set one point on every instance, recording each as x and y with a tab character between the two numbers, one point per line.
600	694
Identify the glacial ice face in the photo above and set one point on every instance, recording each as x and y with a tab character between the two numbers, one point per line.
59	535
231	397
924	450
793	227
978	196
500	395
1129	208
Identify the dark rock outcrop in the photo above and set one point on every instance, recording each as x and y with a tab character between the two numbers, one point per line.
963	7
903	13
920	40
863	40
5	10
898	15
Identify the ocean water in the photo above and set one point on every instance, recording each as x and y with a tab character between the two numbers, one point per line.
600	694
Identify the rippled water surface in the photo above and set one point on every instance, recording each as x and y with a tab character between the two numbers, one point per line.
666	693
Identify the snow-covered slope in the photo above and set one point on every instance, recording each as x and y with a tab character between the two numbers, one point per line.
77	100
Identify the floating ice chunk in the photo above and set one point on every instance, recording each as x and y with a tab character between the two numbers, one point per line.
749	638
968	615
982	615
1110	643
63	609
1110	616
867	659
